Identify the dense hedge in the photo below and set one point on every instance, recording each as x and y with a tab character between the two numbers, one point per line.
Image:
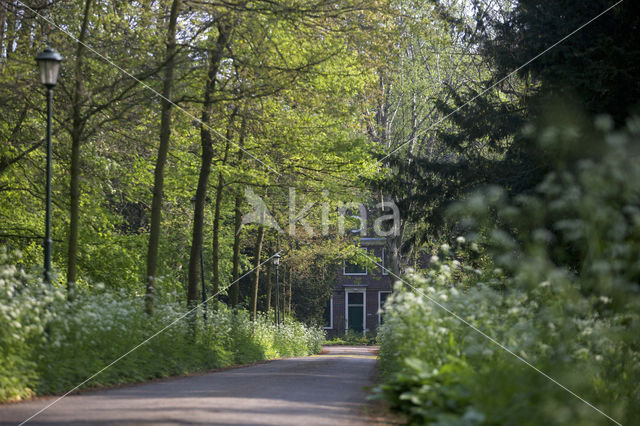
49	345
554	276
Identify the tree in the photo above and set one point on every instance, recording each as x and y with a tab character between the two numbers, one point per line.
163	148
403	118
215	54
78	124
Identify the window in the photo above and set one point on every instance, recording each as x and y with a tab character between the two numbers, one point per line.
384	261
354	269
382	297
328	314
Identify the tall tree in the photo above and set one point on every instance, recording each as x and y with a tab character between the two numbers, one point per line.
217	206
257	253
237	221
165	135
78	123
403	118
215	56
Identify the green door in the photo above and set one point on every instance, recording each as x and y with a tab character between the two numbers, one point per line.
355	319
355	311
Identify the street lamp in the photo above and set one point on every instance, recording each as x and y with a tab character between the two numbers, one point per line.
204	288
49	64
276	262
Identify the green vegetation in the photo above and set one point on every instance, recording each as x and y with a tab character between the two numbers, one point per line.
263	97
504	131
518	177
552	276
50	345
353	338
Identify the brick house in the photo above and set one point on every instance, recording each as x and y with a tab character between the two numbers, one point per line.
359	294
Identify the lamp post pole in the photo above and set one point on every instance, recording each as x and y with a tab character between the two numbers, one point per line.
47	220
276	262
49	64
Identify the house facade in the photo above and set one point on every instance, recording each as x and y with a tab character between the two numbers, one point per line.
359	294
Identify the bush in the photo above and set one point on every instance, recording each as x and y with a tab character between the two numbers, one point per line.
49	345
554	278
353	338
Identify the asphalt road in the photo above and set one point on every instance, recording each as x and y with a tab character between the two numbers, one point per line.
326	389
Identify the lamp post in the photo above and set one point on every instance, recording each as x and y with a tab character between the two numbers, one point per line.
276	262
204	288
49	64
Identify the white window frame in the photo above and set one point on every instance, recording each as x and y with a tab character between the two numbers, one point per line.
384	261
344	268
380	306
330	315
364	309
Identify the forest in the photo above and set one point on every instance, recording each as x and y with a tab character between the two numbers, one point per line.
194	142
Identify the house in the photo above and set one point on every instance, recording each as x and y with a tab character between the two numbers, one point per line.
359	294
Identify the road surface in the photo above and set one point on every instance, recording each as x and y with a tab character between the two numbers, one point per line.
327	389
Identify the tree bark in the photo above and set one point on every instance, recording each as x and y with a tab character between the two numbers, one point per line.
215	256
78	123
163	148
205	167
256	274
290	292
3	20
269	289
237	224
10	34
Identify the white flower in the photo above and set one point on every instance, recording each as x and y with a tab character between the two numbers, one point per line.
460	239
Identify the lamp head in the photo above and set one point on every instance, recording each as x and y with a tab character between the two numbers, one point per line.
276	259
49	63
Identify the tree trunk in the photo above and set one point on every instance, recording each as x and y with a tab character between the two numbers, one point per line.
394	249
163	148
215	256
237	224
78	123
11	29
290	293
3	20
205	168
256	274
283	296
269	285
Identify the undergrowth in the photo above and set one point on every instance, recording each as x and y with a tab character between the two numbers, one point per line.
546	282
49	345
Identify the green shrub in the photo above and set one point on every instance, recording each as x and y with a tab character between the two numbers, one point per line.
353	338
554	278
49	345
